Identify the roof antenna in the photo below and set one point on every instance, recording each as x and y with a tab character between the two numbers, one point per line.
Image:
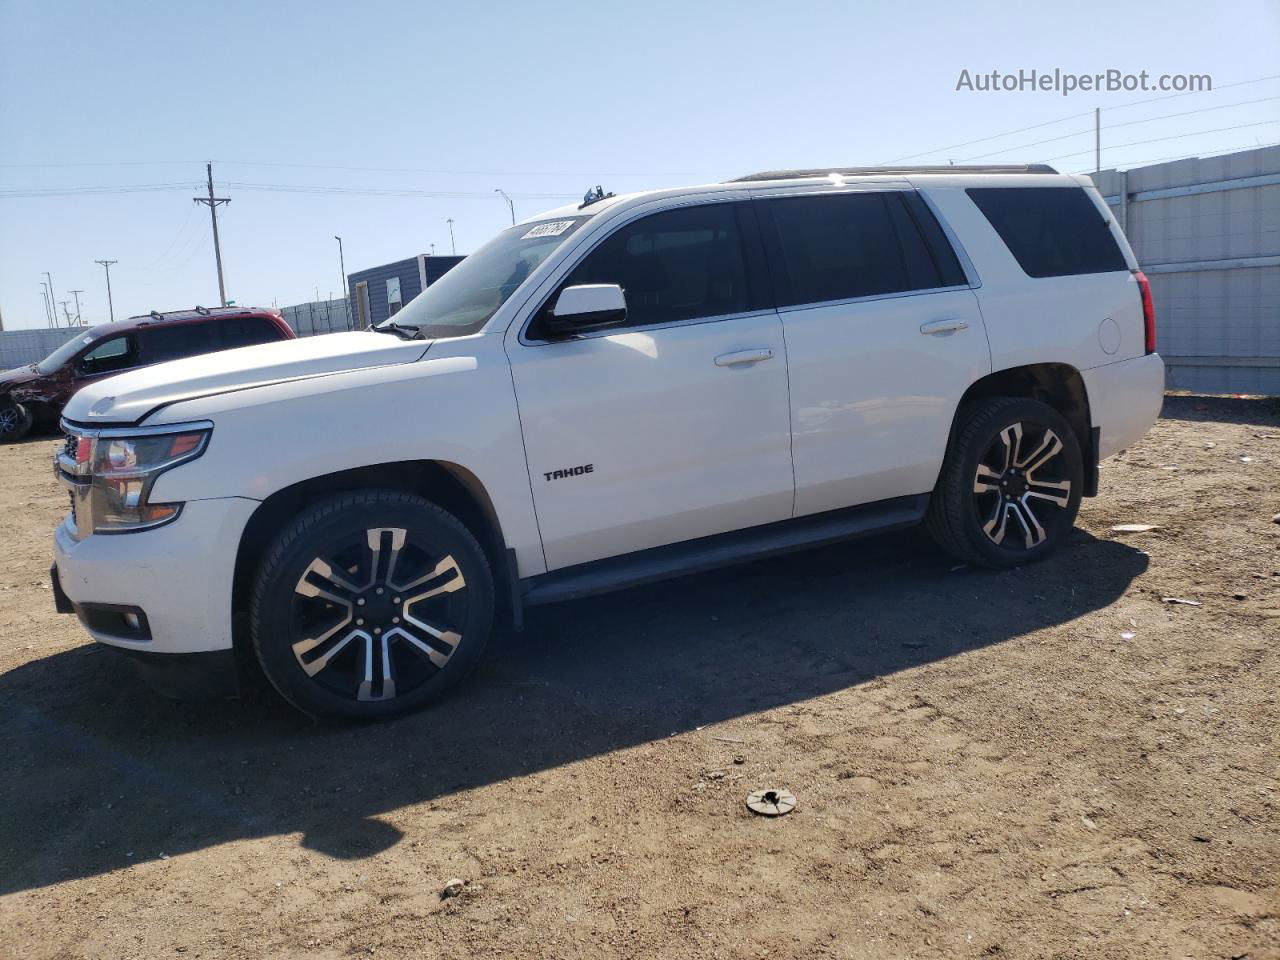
595	196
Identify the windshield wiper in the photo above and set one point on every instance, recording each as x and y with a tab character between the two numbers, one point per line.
401	330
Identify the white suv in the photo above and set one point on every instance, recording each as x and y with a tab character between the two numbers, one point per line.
632	388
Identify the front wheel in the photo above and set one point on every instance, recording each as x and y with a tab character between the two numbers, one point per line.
15	421
1010	486
370	605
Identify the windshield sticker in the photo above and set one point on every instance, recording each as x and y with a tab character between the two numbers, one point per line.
552	229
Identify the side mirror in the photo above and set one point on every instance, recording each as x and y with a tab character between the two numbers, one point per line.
588	306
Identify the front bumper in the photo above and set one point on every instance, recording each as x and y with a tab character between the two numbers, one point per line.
179	575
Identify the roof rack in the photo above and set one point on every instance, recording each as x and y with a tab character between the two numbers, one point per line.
897	171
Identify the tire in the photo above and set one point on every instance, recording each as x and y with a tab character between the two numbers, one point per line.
1010	485
370	605
15	421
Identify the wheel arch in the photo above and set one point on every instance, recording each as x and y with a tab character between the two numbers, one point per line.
1060	385
449	485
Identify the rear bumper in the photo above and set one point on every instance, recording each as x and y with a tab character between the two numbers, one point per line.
164	591
1124	400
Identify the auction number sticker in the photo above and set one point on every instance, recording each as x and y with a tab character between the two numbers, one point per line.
552	228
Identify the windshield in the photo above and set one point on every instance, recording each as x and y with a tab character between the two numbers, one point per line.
463	300
59	357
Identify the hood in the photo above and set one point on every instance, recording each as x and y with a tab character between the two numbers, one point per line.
17	377
130	397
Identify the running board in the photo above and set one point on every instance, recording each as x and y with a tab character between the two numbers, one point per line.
708	553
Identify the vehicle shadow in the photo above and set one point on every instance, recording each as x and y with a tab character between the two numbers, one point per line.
101	773
1249	411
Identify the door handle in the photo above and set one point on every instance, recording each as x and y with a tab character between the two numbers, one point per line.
943	326
743	356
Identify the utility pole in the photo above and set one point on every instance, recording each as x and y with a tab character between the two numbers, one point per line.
48	316
65	312
1097	139
212	203
52	302
433	249
106	265
346	296
453	246
511	205
76	294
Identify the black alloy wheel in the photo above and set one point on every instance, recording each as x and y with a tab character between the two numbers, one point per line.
1011	483
370	605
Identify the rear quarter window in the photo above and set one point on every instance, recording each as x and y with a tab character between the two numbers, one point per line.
1051	231
248	331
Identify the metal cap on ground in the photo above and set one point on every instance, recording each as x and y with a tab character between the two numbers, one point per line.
773	802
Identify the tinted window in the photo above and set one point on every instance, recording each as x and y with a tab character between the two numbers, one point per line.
246	331
922	269
116	353
171	342
1051	231
944	257
852	245
677	265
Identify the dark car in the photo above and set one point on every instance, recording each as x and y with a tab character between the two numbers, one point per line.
35	394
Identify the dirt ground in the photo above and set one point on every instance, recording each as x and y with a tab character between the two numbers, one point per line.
1050	762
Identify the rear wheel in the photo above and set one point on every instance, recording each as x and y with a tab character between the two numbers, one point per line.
15	421
1011	484
370	605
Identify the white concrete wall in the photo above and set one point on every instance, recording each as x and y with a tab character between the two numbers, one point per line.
18	347
1207	234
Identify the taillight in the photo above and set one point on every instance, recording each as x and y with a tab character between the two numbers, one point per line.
1148	311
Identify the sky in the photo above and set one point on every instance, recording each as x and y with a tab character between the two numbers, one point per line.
382	121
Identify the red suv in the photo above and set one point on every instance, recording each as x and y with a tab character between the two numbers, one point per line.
36	393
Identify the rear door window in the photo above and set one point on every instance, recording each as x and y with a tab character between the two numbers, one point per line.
843	246
1051	231
247	331
174	341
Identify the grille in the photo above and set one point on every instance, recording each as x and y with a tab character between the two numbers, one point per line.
69	446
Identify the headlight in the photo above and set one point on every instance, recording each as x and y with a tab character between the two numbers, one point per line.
111	473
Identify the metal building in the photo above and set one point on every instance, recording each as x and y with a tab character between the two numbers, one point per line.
1206	232
379	292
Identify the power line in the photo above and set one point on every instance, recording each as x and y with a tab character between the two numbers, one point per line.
360	169
389	191
1178	136
1188	93
182	230
1007	133
1049	123
76	191
277	188
1131	164
1187	113
1127	123
1035	143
